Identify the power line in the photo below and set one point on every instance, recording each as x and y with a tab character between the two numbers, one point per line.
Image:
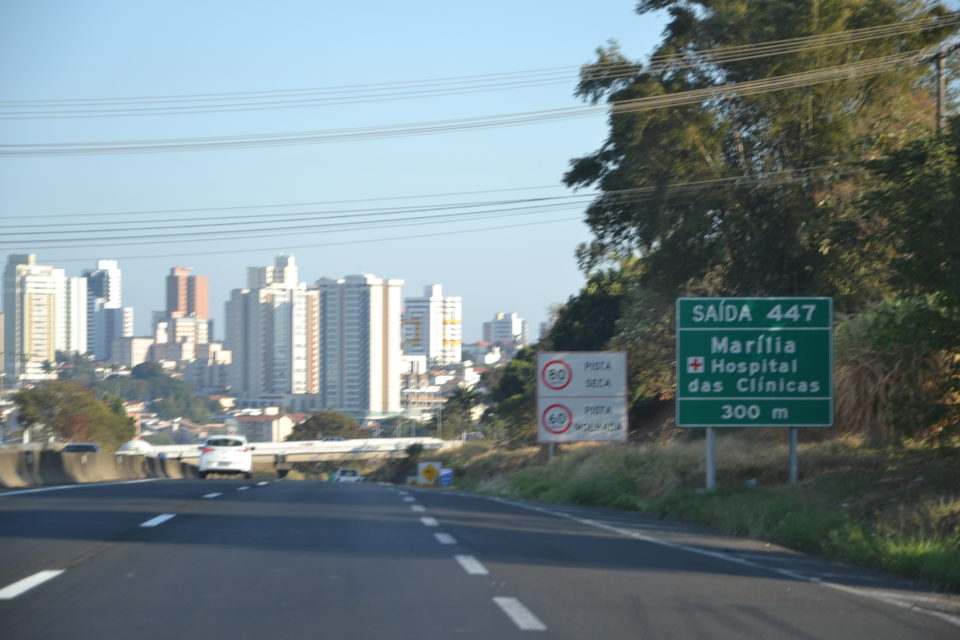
416	89
851	71
206	252
323	221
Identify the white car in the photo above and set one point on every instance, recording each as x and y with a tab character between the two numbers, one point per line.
225	454
347	475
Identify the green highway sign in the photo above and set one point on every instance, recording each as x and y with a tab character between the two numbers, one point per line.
754	362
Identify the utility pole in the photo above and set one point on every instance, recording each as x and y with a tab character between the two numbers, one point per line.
939	59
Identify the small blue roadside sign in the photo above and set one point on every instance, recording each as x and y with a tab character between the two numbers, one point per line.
446	477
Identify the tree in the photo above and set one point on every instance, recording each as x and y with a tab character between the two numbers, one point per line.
588	319
146	371
168	397
768	175
69	411
918	200
513	391
325	424
458	411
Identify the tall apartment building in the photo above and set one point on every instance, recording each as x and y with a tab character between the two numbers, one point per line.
41	316
75	331
432	326
187	295
507	330
107	318
271	330
185	322
361	352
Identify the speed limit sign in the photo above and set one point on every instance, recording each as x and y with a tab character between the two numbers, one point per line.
581	396
557	374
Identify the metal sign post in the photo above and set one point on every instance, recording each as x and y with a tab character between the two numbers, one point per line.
755	362
711	459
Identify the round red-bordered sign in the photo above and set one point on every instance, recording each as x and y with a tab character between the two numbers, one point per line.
556	374
556	419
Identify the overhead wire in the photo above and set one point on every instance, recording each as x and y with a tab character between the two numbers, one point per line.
354	221
415	89
850	71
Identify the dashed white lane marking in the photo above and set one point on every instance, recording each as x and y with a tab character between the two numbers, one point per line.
419	508
212	495
865	593
262	484
242	488
409	499
445	538
430	522
521	616
152	522
22	586
472	566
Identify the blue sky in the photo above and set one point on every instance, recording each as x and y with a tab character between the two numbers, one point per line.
56	50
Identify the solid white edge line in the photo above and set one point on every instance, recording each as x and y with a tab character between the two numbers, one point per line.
863	593
22	586
430	522
163	517
445	538
63	487
472	566
213	495
521	616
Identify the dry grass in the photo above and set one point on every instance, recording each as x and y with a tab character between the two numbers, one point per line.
896	509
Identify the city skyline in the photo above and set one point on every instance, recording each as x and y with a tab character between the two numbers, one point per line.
145	319
483	211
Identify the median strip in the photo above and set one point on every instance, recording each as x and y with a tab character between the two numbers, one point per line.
22	586
152	522
521	616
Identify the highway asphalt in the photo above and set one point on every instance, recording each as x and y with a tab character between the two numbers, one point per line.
228	558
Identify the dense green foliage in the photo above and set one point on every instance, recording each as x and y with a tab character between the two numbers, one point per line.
164	395
838	189
328	424
762	173
68	411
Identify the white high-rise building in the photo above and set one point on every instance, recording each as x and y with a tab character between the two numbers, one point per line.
432	326
107	319
361	354
507	330
35	309
75	332
271	330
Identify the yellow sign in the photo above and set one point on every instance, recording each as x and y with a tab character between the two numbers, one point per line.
429	472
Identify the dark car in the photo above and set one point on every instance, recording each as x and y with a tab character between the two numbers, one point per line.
81	447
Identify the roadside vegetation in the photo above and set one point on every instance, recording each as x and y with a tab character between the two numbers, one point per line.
895	509
848	189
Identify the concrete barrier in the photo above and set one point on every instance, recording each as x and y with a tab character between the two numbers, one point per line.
9	470
25	468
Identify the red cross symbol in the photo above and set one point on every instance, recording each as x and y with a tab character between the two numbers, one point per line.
695	364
